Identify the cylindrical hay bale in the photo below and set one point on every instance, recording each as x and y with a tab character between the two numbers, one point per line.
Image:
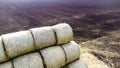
6	65
54	57
77	64
63	32
72	51
2	52
18	43
32	60
43	36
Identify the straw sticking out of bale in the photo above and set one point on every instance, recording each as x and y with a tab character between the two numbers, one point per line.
2	52
18	43
32	60
77	64
54	57
43	37
72	51
6	65
63	32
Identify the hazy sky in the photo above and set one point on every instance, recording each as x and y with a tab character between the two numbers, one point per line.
67	0
85	1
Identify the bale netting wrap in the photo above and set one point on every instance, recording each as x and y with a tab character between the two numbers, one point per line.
63	32
18	43
6	65
32	60
43	36
72	51
77	64
2	52
54	57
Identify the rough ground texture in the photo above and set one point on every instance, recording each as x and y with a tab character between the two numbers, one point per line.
96	25
105	48
92	61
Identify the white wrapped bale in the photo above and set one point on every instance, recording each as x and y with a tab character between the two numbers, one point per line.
63	32
53	57
72	51
43	37
18	43
32	60
2	52
77	64
6	65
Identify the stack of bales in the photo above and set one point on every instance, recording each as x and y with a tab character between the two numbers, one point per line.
44	47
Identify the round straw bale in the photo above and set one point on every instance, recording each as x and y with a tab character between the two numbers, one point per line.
18	43
63	32
72	51
6	65
43	36
32	60
77	64
54	57
2	52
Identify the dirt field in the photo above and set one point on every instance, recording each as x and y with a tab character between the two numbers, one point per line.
96	25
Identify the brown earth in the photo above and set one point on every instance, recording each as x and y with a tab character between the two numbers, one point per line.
106	48
96	26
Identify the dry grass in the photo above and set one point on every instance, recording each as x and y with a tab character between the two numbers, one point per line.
106	48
